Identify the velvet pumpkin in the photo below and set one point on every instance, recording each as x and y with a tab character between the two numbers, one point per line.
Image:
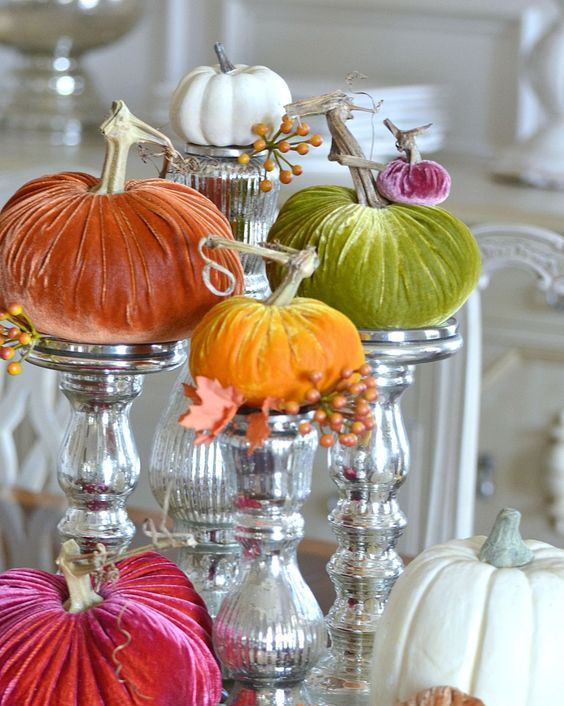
52	657
386	266
108	261
269	349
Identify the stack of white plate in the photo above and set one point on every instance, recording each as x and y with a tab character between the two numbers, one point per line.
407	106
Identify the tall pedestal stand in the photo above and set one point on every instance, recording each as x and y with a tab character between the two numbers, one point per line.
98	462
367	520
269	632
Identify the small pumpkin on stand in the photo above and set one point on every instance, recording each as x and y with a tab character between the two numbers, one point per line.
218	105
386	265
102	260
484	615
144	637
282	353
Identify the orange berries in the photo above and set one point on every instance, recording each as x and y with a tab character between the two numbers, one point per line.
315	140
6	353
313	396
269	165
291	407
261	129
338	402
15	309
316	376
13	332
244	158
320	416
24	338
284	146
14	368
303	129
259	145
305	428
285	176
348	439
265	185
327	441
287	128
297	169
302	148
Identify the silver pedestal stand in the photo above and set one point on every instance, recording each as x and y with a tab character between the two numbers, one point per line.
269	631
367	520
98	462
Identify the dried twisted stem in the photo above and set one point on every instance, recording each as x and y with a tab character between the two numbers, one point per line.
405	140
338	108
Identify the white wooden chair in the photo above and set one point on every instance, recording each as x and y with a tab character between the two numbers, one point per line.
440	495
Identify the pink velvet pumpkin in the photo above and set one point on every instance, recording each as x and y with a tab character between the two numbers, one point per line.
422	183
52	657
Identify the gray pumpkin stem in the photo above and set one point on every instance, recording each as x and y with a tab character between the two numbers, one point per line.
505	548
224	64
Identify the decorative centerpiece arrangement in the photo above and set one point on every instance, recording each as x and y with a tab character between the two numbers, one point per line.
483	615
91	260
399	270
108	641
259	368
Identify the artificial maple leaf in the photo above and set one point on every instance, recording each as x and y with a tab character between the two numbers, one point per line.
258	430
190	392
217	407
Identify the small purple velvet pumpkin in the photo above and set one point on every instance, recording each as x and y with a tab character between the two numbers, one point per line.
145	641
424	183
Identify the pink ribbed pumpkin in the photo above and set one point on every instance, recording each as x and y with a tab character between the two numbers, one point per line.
52	657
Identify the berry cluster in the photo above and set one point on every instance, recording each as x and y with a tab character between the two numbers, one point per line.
343	414
17	333
277	145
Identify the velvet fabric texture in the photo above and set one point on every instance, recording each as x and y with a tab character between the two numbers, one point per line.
49	657
424	183
266	350
111	268
397	267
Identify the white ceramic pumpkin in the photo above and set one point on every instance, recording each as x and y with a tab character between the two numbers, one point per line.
218	105
492	627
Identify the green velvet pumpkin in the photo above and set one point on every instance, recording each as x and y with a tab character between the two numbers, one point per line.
385	268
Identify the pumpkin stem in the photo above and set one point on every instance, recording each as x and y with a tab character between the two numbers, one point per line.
405	140
505	548
224	63
81	594
121	130
337	108
300	264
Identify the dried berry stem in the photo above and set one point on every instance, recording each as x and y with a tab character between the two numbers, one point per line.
225	64
337	108
121	131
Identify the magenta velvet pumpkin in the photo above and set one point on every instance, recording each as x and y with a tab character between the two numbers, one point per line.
423	183
50	657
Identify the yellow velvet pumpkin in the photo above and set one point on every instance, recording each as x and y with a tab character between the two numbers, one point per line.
271	348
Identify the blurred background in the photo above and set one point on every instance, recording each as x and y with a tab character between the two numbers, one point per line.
489	75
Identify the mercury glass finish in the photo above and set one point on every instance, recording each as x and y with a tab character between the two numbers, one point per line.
367	520
235	190
200	500
98	462
49	91
270	630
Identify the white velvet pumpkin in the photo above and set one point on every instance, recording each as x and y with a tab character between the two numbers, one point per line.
494	633
218	105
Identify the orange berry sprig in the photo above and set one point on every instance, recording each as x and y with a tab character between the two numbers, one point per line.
343	414
17	334
277	144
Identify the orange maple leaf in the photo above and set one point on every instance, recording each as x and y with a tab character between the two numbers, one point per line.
216	408
258	430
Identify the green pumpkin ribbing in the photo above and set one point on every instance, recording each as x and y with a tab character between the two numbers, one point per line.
393	267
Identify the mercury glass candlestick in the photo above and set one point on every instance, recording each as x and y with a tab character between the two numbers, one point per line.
192	477
270	630
98	462
367	520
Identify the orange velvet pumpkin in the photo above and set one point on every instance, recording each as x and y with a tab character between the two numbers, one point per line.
108	261
269	350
